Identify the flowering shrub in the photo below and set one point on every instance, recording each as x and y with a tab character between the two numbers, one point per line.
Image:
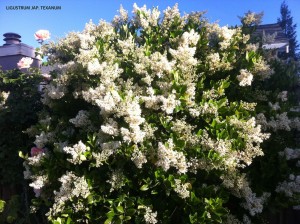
277	115
147	120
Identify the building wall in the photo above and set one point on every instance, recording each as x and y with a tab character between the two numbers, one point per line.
10	62
13	50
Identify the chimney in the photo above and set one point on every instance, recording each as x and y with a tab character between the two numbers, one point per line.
11	38
12	51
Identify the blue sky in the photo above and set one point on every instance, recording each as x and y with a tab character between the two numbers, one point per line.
74	14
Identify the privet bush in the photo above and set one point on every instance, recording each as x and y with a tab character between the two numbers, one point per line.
277	112
149	120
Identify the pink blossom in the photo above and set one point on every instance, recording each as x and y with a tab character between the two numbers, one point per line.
42	35
35	151
25	62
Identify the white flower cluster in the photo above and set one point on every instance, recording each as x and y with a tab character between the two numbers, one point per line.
168	157
138	157
245	78
71	186
38	181
117	180
274	106
216	62
280	122
145	18
226	35
81	119
241	188
290	187
262	69
283	96
77	152
182	189
253	203
150	216
3	98
290	153
251	132
122	18
107	149
110	128
37	160
42	139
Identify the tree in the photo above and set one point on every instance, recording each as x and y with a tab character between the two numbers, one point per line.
286	22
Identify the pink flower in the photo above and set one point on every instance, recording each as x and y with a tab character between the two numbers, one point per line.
25	62
35	151
42	35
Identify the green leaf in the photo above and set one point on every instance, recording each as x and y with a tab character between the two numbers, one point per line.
2	205
110	214
21	155
120	209
130	211
154	192
145	187
57	221
108	221
126	218
69	221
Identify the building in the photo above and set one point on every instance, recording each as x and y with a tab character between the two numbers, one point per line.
273	37
13	50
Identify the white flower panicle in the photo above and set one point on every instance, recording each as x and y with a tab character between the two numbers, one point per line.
3	98
167	157
283	96
117	180
182	189
38	181
77	152
122	18
290	153
110	128
72	186
245	78
150	216
138	157
274	106
81	119
169	104
290	187
107	149
42	139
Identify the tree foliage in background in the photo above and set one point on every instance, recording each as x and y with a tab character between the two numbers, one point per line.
289	27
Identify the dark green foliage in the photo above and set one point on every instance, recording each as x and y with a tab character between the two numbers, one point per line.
17	113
